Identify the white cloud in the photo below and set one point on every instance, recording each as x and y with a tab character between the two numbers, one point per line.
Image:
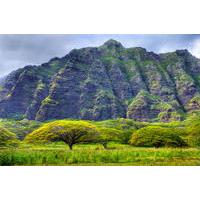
195	49
20	50
166	49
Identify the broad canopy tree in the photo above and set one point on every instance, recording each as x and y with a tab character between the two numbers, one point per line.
73	133
70	132
157	136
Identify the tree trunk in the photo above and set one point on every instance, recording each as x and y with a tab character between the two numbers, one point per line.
105	145
70	146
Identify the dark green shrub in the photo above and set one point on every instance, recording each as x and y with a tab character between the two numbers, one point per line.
125	136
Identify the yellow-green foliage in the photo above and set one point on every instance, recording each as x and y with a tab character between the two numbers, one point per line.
193	130
48	100
57	154
121	124
120	130
71	132
125	126
40	85
157	136
7	138
107	134
195	101
20	127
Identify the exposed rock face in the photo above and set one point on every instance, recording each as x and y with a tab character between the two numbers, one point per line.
105	82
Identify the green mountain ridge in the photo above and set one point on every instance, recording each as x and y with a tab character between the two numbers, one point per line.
106	82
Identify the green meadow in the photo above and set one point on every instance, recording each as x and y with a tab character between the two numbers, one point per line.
96	155
118	142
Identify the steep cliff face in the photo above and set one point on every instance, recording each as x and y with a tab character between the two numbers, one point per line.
105	82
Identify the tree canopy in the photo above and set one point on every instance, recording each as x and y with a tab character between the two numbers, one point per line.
70	132
156	136
106	135
7	138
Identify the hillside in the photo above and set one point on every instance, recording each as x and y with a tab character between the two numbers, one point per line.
106	82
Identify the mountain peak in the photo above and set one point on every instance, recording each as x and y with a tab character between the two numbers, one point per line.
106	82
182	52
113	44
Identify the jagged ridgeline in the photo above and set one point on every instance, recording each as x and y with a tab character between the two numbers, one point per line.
105	82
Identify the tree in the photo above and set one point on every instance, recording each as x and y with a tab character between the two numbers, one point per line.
193	131
70	132
125	136
157	136
125	127
7	138
73	133
106	135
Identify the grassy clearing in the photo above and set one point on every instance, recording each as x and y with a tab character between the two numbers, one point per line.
93	154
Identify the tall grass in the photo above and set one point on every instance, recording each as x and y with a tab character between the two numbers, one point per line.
96	155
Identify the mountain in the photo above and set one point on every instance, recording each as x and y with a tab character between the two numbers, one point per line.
2	79
105	82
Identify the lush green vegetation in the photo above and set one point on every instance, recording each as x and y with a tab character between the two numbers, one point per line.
20	127
70	132
95	154
7	138
110	142
106	135
157	136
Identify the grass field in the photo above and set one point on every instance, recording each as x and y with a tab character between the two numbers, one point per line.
58	154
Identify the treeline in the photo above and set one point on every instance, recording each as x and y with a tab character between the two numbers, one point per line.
126	131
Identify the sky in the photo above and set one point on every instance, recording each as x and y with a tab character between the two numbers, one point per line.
17	51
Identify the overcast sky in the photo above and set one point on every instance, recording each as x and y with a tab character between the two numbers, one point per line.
21	50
